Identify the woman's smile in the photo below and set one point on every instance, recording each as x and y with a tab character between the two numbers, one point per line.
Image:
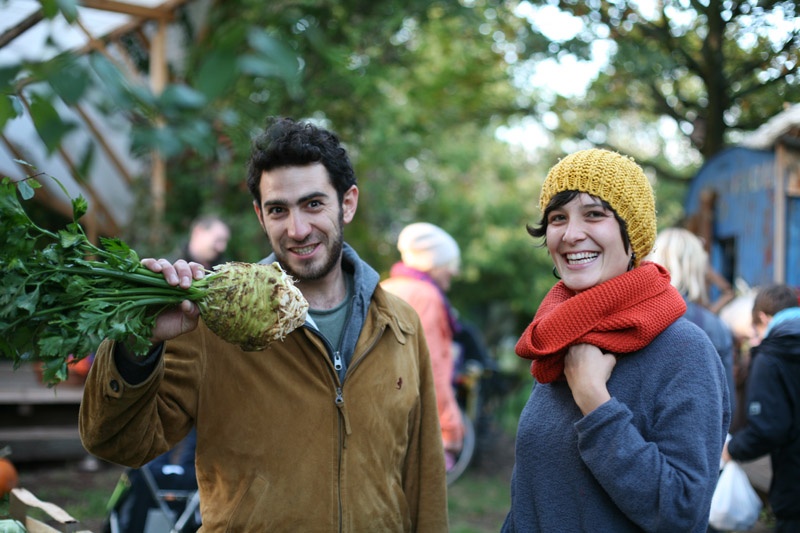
585	242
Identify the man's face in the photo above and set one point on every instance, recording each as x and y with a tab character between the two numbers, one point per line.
303	220
208	244
760	324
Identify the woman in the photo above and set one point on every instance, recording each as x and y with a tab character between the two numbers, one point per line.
624	428
681	252
430	258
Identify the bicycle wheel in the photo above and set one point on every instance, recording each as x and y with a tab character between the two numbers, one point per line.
467	450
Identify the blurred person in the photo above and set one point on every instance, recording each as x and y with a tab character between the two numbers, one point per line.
430	258
624	425
681	252
773	401
737	315
207	242
726	294
334	428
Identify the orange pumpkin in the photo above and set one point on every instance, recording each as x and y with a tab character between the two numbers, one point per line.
8	476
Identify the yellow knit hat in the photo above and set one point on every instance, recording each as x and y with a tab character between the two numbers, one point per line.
614	178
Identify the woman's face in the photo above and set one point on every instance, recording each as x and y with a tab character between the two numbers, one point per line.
585	242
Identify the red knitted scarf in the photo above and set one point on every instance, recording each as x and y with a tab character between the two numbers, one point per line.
620	316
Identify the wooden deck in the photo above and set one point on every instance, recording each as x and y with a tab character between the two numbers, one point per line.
22	386
37	422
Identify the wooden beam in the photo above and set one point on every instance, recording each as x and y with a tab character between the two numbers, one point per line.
779	212
109	223
152	13
159	77
24	25
112	155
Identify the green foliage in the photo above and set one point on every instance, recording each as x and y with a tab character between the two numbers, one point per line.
417	91
715	69
56	303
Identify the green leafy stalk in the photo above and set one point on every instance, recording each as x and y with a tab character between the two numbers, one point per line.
60	295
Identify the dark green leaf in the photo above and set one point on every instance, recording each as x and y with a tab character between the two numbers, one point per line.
49	8
9	108
49	124
182	97
79	207
68	78
7	76
28	301
216	74
69	8
69	239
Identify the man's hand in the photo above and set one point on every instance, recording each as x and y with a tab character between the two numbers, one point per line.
180	319
588	370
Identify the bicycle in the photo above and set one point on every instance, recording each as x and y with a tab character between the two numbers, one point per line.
468	395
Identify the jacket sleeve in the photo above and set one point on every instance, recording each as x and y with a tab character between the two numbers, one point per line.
660	464
769	420
132	424
425	482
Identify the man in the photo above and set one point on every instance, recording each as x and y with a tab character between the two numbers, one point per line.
334	428
208	240
430	258
773	402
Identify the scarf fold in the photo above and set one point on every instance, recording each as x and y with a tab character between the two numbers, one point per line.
401	269
621	315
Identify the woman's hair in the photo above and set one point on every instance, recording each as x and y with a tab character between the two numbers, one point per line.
774	298
681	252
563	198
286	143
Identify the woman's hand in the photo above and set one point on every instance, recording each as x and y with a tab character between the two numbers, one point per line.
588	370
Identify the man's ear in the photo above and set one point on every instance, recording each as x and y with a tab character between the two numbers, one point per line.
349	204
764	318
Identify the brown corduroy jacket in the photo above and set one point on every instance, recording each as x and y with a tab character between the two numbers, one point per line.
282	444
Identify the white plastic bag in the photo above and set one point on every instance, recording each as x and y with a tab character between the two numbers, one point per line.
735	505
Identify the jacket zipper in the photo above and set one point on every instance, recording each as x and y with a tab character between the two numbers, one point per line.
339	400
340	405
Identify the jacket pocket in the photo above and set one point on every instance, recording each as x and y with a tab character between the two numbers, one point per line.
250	514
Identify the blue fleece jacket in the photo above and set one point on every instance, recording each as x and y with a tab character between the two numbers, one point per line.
648	459
721	337
773	412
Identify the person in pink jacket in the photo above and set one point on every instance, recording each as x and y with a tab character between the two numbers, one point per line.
430	259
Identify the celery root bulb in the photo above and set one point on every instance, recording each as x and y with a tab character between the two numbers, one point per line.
252	305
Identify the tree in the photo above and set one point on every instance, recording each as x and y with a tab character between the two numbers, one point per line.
716	68
416	91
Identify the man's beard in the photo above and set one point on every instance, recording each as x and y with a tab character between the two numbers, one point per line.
317	272
313	273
